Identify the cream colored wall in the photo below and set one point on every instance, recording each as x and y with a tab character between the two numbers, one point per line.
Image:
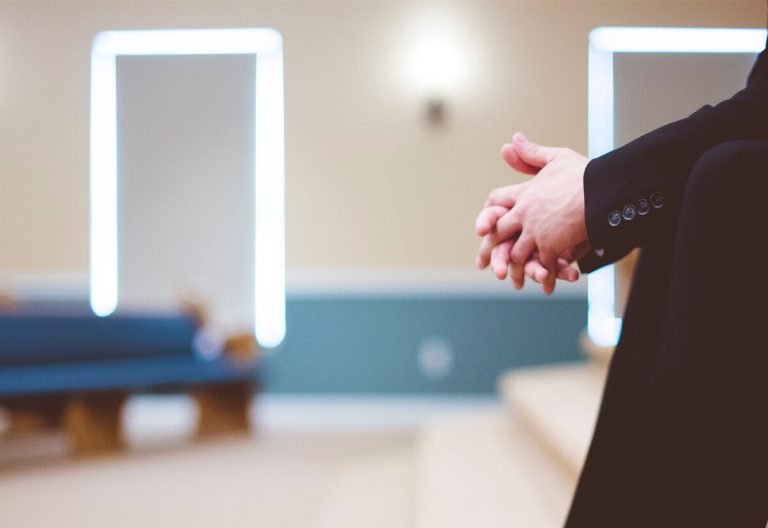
369	184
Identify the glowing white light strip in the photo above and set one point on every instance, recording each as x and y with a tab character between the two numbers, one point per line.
602	324
677	40
269	257
103	192
188	42
269	173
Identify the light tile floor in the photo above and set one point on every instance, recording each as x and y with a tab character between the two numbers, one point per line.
314	463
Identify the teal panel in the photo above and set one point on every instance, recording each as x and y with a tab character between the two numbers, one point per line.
370	344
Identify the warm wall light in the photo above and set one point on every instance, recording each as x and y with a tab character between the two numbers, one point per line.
434	57
435	68
269	243
434	64
603	324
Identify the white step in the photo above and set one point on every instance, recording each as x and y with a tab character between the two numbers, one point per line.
375	492
558	406
483	470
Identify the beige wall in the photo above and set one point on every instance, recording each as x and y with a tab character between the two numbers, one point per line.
368	182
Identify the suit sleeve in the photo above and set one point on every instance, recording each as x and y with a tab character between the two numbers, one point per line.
635	191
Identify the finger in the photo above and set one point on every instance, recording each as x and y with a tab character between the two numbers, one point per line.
486	220
549	261
519	255
566	272
566	256
510	155
509	225
535	271
483	258
533	153
503	196
500	259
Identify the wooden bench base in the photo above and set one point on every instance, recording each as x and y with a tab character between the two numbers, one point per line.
36	413
93	421
223	409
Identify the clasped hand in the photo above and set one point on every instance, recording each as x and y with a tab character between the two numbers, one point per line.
536	228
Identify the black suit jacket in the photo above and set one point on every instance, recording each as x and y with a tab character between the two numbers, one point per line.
682	417
635	191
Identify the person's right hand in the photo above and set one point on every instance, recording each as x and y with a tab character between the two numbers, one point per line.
544	214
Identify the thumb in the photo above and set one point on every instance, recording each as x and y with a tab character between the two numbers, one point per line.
510	155
533	153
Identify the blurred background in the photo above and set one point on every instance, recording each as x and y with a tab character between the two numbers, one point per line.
409	390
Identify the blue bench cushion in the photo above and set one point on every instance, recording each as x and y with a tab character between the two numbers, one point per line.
134	375
35	336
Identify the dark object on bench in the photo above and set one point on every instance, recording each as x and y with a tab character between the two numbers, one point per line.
60	365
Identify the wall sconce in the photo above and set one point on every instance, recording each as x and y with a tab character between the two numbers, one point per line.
435	68
433	59
435	110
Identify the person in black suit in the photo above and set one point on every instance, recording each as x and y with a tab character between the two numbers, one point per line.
682	434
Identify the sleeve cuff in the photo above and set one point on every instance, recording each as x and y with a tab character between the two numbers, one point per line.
592	261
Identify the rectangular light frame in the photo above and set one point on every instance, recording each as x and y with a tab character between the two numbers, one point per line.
603	324
269	159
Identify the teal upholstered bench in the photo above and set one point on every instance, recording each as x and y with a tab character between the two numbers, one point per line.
63	365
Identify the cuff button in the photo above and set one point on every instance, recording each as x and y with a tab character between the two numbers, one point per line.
629	212
643	207
614	218
657	200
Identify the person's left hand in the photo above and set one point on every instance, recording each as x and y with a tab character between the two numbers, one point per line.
533	269
544	214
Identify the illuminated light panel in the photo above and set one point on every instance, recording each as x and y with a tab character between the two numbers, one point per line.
269	154
677	40
435	65
436	56
603	326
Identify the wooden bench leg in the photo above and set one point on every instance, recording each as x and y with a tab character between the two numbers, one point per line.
94	421
223	408
35	413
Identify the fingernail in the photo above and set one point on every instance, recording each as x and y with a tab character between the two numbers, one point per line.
520	138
